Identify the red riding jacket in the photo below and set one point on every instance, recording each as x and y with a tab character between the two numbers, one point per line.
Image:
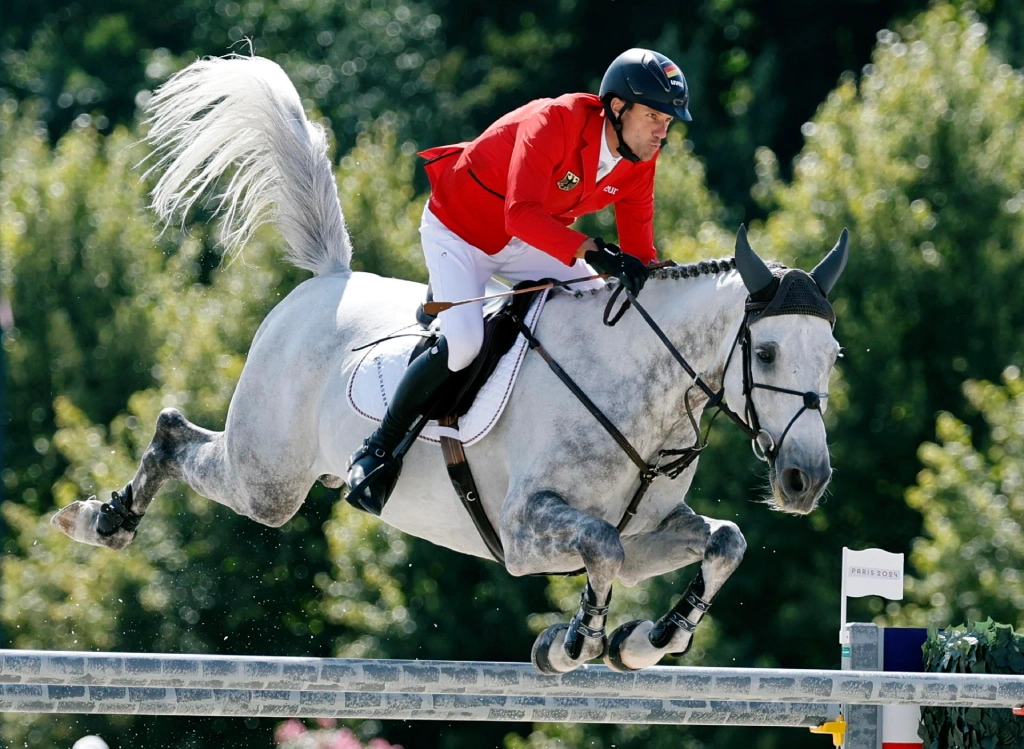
532	173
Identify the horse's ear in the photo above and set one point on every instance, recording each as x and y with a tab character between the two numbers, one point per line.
753	271
826	273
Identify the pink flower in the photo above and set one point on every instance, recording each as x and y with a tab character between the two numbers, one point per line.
379	743
288	731
345	739
326	722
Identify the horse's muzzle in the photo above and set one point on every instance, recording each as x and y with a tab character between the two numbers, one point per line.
798	487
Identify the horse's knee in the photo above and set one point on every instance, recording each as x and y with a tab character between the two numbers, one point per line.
159	460
171	423
545	529
600	543
726	542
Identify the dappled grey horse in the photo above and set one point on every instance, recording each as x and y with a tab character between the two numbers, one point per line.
555	483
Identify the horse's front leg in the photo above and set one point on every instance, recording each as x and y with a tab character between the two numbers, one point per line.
542	533
681	539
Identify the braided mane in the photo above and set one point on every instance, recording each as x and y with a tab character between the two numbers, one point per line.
693	270
674	272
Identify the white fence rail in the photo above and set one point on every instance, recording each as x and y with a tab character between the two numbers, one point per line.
36	698
675	692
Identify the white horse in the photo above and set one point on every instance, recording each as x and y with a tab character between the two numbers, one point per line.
552	481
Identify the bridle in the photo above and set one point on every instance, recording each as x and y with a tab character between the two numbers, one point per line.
795	292
764	446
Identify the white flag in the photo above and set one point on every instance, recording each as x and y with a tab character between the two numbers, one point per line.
872	572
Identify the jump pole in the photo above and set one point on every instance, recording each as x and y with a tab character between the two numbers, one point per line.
674	683
36	698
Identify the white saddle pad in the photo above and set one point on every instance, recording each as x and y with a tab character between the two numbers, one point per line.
379	371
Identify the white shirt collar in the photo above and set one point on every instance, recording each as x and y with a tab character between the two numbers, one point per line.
606	161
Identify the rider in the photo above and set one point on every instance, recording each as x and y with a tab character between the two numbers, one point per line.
503	203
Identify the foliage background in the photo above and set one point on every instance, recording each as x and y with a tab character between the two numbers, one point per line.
899	120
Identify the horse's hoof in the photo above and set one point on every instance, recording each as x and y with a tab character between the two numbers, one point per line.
80	521
629	649
613	655
550	643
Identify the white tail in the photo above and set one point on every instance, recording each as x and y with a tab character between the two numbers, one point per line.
244	112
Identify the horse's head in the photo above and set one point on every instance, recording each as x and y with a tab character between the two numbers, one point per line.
781	371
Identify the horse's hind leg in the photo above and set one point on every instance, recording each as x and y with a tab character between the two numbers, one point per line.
681	539
179	450
543	533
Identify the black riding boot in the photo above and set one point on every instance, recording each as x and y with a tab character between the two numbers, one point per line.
373	468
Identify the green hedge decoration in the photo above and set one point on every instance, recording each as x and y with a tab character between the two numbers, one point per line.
982	648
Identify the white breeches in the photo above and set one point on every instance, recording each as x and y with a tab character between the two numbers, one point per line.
458	271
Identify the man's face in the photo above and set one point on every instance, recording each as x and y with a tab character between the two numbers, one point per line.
643	128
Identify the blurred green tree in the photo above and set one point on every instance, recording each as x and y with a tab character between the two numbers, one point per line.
924	162
922	159
971	496
445	69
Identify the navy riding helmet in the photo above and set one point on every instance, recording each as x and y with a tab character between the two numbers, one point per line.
643	76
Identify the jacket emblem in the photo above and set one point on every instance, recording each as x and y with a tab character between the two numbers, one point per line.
568	182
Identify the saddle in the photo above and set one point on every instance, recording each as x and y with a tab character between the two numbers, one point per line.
500	334
487	382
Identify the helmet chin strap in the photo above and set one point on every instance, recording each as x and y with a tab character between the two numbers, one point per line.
625	151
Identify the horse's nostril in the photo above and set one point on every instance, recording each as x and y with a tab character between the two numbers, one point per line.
794	480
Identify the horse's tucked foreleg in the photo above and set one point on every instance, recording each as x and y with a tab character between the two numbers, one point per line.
639	644
542	534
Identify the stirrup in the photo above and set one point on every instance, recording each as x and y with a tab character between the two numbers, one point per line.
372	493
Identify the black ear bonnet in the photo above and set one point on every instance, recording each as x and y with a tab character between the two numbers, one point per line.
791	292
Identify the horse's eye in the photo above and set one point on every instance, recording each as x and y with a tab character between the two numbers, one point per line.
766	354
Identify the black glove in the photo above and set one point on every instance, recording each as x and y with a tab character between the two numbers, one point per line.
608	258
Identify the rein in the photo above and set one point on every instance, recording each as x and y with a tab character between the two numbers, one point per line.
648	471
714	398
